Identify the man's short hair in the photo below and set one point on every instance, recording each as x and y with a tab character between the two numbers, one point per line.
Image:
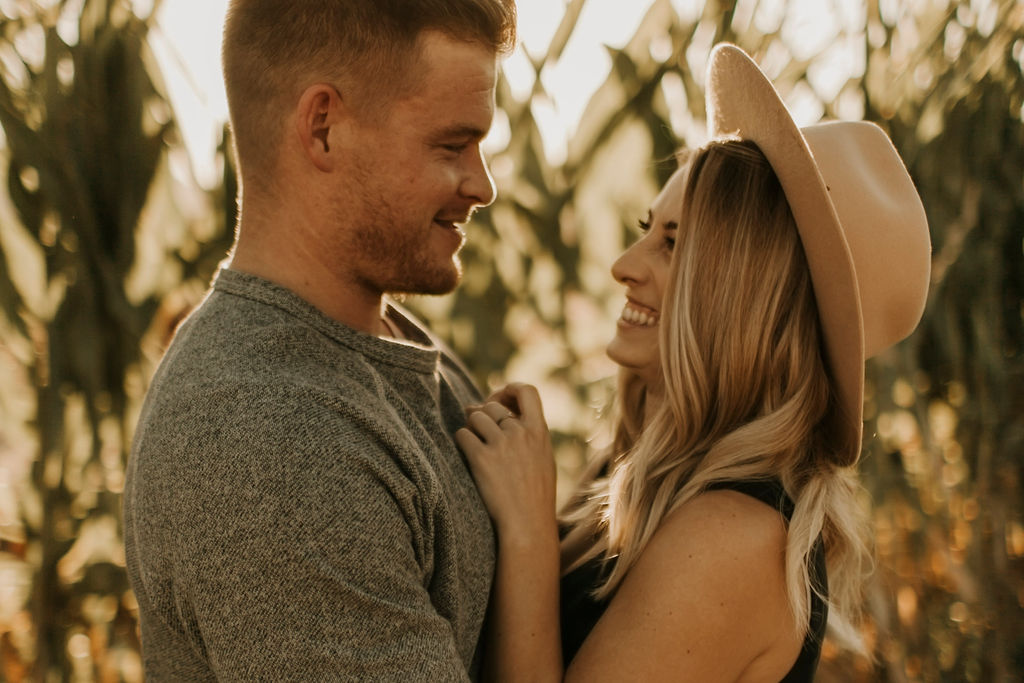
274	49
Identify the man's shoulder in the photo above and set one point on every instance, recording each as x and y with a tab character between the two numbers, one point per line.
246	374
274	433
232	342
246	380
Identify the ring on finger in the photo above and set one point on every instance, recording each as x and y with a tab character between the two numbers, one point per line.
507	416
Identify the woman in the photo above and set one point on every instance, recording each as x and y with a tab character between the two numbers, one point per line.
720	530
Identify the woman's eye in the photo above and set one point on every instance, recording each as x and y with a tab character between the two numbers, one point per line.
643	225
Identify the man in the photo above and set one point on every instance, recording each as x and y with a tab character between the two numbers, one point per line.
295	506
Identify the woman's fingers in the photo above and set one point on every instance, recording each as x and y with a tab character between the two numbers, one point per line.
497	412
467	440
526	398
487	420
484	426
505	397
508	451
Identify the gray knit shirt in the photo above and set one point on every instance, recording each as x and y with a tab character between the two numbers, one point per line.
295	506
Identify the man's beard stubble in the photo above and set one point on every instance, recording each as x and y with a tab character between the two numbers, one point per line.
392	258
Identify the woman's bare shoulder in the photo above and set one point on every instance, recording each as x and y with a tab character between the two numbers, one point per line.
725	520
706	597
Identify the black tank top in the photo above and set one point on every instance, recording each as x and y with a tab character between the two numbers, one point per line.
580	610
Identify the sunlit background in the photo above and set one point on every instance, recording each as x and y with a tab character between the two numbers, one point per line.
187	44
117	205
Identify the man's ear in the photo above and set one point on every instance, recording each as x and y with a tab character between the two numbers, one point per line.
320	110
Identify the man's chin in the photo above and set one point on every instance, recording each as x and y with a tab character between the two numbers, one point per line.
436	284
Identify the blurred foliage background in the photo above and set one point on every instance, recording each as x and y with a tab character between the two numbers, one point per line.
107	241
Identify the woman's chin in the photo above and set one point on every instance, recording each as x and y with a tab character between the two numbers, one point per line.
642	362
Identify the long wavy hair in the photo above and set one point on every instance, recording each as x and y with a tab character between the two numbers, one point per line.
745	395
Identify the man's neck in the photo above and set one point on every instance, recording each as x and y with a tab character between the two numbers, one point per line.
336	297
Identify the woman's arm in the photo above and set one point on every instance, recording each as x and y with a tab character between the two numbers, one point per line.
523	638
706	600
509	452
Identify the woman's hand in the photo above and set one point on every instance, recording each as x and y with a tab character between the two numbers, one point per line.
509	453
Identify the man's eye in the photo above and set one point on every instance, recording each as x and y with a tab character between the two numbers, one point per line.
643	225
456	149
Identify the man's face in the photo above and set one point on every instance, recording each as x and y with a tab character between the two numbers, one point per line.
416	173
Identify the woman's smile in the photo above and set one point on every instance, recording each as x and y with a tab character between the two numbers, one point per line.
638	315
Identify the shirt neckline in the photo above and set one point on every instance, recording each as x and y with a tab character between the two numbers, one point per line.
419	351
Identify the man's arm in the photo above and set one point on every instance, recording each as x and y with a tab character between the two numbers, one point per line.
317	571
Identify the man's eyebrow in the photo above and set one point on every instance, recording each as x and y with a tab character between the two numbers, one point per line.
463	131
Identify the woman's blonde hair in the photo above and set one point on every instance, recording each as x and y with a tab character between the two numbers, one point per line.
746	393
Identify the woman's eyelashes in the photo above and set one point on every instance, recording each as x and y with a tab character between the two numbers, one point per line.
668	231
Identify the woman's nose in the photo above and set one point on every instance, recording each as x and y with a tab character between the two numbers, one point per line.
628	269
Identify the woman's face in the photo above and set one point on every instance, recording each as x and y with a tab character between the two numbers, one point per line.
643	269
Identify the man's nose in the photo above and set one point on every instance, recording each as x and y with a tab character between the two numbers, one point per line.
478	184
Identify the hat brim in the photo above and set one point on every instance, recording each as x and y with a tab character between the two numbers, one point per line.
742	101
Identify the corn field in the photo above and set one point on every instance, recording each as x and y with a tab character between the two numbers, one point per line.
107	240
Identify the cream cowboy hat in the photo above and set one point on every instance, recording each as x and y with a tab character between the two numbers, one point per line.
860	220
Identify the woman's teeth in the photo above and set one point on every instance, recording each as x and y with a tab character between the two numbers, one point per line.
635	317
